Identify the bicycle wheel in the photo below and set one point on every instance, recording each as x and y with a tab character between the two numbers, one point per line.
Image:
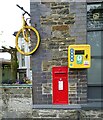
27	47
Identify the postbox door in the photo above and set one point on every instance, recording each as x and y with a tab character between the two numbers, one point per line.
60	85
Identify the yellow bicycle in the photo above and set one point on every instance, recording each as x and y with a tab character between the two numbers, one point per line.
27	38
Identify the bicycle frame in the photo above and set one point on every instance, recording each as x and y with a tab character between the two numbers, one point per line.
24	24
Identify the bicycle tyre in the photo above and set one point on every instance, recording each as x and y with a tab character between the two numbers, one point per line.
37	44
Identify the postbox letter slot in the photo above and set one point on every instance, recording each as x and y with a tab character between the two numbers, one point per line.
60	72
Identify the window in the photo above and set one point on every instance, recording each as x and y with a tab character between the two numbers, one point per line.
95	38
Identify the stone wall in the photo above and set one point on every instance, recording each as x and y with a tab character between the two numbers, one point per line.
16	103
60	24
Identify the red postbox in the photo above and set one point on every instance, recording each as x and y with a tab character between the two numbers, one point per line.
60	85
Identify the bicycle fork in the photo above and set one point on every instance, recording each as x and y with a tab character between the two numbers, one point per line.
25	31
25	34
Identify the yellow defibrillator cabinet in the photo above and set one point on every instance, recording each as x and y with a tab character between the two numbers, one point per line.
79	56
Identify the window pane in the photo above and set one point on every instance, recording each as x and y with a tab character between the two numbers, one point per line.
23	60
94	39
95	92
94	73
95	16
